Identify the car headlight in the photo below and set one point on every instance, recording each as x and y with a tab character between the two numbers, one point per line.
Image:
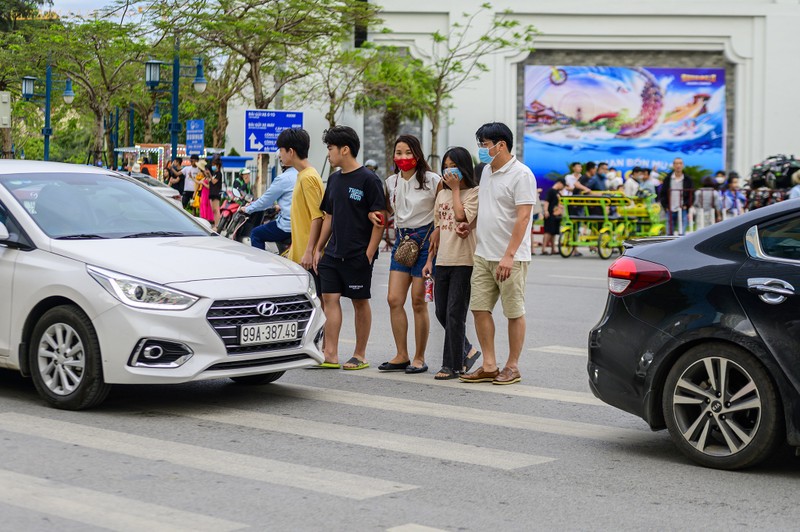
139	293
312	286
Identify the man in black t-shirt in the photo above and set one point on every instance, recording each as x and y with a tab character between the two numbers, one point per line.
350	242
175	178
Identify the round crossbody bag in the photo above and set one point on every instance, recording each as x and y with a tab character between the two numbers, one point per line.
407	251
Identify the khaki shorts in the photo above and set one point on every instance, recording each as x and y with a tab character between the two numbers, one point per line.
486	289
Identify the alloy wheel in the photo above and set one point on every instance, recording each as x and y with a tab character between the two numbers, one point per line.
61	359
717	406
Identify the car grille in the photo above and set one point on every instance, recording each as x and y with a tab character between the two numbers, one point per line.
226	316
241	364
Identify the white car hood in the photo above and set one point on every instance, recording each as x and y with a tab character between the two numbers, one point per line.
177	260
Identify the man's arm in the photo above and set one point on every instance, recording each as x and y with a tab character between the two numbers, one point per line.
374	241
270	196
521	227
324	235
307	261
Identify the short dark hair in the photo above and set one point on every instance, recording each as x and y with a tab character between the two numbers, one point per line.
340	136
572	165
602	164
636	170
560	180
295	138
590	166
194	158
495	131
179	160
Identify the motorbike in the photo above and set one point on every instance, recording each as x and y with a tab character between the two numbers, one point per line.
233	202
241	224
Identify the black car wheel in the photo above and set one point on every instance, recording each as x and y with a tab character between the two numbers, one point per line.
264	378
65	361
721	407
564	246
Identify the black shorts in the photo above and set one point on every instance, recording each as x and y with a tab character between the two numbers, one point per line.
214	197
350	277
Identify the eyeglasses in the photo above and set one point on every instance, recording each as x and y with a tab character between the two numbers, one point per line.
483	145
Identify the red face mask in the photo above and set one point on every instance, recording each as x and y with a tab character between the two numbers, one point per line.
405	164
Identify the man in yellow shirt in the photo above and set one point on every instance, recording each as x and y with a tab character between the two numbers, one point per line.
305	215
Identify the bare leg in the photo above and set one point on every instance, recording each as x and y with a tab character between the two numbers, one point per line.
398	290
484	326
363	318
422	321
333	325
516	339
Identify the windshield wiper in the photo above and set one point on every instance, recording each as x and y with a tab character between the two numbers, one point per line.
155	233
80	236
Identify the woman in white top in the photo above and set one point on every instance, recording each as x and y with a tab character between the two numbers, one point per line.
410	195
457	202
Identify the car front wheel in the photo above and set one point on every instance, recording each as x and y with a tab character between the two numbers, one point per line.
721	407
65	361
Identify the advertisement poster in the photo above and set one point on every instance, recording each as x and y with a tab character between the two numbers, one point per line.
623	116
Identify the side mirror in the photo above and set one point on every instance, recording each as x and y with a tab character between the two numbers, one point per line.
3	232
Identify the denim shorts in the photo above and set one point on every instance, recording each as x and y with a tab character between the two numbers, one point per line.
417	235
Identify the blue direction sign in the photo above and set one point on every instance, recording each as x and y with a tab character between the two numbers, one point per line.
195	132
262	127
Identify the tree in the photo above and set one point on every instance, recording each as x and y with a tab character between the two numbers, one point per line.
457	57
11	11
102	57
394	84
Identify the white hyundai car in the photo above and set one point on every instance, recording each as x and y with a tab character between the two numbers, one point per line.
104	282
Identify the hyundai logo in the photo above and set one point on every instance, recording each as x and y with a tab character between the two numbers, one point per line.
267	308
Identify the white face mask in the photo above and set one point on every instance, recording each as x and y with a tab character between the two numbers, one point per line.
611	174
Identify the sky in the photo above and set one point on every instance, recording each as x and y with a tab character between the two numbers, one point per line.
78	6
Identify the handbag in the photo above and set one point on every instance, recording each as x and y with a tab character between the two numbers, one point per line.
407	251
196	200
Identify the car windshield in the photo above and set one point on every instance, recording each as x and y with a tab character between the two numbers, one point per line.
91	206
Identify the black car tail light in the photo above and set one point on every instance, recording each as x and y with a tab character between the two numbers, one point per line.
629	274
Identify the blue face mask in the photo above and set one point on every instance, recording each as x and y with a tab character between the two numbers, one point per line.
456	172
484	157
213	168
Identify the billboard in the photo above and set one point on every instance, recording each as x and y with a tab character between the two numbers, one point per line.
623	116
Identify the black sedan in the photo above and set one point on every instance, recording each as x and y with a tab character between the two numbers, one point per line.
701	335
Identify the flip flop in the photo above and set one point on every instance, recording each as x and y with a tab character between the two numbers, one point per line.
390	366
327	365
447	374
470	361
356	364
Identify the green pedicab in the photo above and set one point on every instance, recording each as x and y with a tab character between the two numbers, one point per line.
594	221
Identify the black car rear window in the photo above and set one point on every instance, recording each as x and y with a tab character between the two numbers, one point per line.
781	240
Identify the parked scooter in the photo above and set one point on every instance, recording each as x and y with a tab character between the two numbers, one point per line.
242	224
233	202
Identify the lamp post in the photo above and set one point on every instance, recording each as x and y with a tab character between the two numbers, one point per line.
152	76
28	87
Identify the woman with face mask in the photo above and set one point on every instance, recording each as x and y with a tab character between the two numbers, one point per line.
215	188
456	203
411	193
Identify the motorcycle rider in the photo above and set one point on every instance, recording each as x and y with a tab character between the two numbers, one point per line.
280	192
242	183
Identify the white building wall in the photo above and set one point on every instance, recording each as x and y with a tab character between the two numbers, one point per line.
758	36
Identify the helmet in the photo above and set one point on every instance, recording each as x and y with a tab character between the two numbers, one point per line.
371	162
246	171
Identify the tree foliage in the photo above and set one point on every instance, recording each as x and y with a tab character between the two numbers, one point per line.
458	56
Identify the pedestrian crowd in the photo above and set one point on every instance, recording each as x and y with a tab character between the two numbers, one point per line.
472	241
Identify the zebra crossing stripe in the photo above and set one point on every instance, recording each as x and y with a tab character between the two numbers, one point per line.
532	392
463	414
102	510
315	479
431	448
562	350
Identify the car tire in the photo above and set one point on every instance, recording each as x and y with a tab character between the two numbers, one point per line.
253	380
65	361
723	425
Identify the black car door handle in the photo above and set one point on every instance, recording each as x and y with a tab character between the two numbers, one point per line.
771	291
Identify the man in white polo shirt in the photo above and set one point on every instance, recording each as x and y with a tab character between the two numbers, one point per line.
505	200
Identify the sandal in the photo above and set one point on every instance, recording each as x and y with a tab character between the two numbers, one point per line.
445	374
355	363
470	361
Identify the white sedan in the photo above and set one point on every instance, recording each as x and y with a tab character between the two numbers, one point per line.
103	282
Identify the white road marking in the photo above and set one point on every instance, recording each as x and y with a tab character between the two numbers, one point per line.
581	277
99	509
532	392
562	350
463	414
431	448
413	527
315	479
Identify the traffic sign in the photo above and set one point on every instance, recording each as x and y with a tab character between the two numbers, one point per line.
195	132
262	127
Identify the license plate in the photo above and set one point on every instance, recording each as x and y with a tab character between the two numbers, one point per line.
267	333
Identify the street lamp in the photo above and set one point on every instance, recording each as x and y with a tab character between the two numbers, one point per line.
152	77
28	94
